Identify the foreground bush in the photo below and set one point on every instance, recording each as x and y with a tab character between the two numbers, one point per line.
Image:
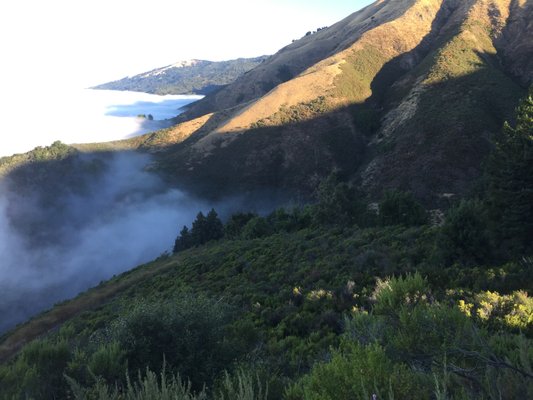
188	332
413	347
357	372
151	386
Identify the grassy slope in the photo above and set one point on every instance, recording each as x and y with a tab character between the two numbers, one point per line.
444	113
427	96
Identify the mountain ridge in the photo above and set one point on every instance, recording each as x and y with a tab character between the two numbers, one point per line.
186	77
392	76
399	95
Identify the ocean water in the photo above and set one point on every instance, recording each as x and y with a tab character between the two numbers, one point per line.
81	116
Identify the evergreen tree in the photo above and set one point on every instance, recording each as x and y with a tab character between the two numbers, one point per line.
214	226
199	230
183	241
510	183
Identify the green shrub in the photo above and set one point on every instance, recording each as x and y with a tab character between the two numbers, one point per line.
37	373
391	294
149	386
109	362
188	332
339	203
513	311
357	372
257	227
401	208
463	237
236	223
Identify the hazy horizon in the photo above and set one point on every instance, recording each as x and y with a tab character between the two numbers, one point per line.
87	116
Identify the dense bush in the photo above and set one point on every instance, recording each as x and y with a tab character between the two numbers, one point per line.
257	227
401	208
339	203
359	372
464	236
236	223
187	332
108	362
413	347
37	373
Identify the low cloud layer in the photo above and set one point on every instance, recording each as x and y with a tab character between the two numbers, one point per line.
82	116
122	218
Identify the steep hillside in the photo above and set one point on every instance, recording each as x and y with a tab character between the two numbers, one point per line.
403	94
186	77
363	292
285	296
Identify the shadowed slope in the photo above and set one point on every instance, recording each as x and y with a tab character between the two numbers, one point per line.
412	89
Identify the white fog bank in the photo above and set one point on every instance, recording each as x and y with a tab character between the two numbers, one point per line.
81	116
122	217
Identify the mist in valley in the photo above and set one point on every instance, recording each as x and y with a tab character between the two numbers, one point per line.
81	223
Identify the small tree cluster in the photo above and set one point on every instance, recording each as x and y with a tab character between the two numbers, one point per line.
204	229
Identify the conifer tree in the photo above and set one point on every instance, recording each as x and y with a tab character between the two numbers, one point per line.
183	241
199	230
510	183
214	226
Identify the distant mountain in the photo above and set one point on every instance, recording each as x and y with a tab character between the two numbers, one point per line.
186	77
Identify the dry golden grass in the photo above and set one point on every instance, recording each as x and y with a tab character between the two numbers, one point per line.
409	22
388	28
301	89
154	141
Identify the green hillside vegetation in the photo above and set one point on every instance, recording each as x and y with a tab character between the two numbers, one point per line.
56	151
200	78
326	301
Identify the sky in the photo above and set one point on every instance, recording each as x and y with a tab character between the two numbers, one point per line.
73	43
